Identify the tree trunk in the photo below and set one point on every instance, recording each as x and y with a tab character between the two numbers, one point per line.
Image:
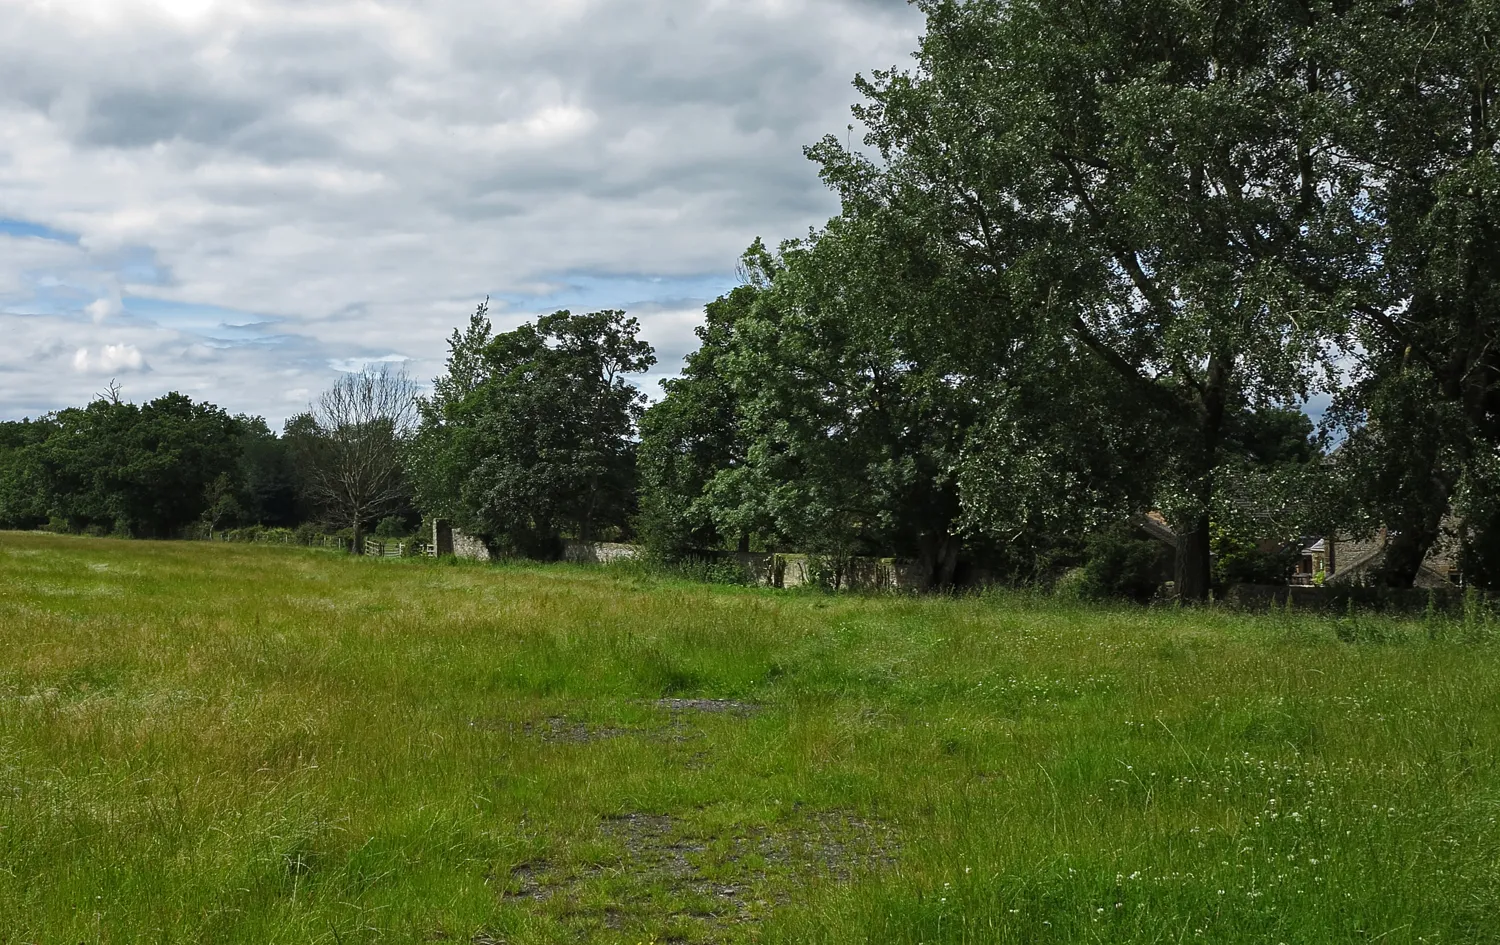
948	561
357	546
1194	572
744	543
586	533
938	560
1412	537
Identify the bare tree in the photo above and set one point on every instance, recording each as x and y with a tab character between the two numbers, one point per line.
351	455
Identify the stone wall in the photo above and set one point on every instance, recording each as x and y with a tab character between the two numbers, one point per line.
467	546
764	568
858	574
598	552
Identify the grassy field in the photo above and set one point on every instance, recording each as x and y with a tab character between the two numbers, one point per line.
208	743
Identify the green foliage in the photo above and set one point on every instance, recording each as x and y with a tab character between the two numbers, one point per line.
529	434
845	427
1275	489
267	486
1145	191
1422	130
1121	565
1241	558
692	434
1403	461
162	469
1477	503
117	468
221	504
24	499
392	527
1072	585
1061	455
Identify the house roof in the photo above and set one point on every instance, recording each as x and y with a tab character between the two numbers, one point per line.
1156	526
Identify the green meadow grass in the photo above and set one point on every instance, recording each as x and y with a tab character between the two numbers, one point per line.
214	743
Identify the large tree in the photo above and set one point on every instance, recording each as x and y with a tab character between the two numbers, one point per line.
1145	185
832	409
1419	83
265	481
690	435
25	501
529	435
848	421
350	448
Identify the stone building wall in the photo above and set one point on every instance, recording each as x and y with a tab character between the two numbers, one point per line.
598	552
467	546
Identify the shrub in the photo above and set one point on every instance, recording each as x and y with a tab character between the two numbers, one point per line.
414	548
391	527
1073	585
1120	566
307	534
1242	562
711	571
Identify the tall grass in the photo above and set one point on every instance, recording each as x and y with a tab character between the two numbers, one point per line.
219	743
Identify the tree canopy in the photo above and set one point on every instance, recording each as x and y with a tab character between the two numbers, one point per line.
114	466
529	434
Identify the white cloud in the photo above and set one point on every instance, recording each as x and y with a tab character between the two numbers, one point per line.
109	359
354	175
100	309
355	365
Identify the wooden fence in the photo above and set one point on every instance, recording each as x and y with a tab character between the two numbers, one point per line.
380	548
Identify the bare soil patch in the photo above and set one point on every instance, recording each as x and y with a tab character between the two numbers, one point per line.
709	881
561	729
557	729
709	706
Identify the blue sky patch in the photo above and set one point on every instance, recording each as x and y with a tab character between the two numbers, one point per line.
580	292
11	227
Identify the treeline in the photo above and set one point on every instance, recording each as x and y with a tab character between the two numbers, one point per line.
1092	262
802	424
1092	259
148	471
173	468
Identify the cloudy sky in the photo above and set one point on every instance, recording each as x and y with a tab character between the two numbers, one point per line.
239	198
